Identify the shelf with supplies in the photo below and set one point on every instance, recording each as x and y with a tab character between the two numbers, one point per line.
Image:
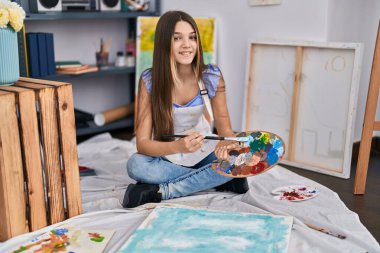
102	72
98	34
88	15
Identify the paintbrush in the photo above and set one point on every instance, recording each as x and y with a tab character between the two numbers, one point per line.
207	137
328	232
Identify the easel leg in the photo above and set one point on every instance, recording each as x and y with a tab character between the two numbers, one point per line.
363	160
369	121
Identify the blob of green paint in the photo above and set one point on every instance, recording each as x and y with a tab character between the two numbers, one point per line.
257	145
97	239
21	249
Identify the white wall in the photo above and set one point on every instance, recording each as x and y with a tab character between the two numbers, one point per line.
239	23
356	21
326	20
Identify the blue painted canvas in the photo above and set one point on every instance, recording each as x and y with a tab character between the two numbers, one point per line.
174	229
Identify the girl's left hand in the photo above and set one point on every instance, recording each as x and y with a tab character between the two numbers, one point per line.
223	147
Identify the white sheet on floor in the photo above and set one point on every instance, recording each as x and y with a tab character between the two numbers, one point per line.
102	194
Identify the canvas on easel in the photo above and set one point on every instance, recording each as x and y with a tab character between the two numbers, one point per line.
306	92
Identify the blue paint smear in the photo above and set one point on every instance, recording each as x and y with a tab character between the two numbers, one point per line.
277	144
60	231
272	156
192	230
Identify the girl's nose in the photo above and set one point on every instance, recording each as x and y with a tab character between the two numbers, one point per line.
186	43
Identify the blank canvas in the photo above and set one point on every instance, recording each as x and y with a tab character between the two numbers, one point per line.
319	129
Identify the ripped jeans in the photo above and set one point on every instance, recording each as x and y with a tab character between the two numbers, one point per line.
174	180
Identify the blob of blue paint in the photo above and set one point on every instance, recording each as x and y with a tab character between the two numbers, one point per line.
60	231
272	156
277	144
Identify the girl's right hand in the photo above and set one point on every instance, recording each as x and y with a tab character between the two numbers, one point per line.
190	143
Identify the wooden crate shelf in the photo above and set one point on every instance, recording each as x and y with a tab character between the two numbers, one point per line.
38	144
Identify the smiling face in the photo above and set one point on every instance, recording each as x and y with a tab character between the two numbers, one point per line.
184	45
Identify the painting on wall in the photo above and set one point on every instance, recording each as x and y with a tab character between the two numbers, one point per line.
174	229
146	27
263	2
306	92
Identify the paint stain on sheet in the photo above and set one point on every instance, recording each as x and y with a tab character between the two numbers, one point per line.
295	193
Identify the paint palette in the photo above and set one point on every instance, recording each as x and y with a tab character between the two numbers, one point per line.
295	193
259	153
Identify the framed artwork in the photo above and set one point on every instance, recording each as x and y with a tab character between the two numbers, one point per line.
146	27
174	229
306	92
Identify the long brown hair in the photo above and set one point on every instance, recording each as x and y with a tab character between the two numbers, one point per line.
163	82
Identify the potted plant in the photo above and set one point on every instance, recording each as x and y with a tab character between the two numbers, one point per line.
11	21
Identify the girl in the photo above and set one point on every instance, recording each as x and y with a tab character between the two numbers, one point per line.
174	97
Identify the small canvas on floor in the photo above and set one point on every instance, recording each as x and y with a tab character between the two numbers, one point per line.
173	229
68	239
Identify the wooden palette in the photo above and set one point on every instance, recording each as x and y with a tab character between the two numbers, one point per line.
261	152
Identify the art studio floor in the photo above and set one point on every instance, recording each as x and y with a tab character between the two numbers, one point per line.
367	206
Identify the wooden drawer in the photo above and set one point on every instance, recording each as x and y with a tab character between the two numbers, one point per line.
39	175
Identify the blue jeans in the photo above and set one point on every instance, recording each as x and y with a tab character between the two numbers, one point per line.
174	180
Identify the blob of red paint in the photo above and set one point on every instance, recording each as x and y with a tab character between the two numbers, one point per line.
292	195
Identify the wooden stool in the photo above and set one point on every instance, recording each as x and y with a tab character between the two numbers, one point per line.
370	124
39	175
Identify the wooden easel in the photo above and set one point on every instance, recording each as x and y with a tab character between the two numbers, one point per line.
370	124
